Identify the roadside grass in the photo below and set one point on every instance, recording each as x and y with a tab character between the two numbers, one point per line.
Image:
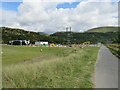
114	48
72	68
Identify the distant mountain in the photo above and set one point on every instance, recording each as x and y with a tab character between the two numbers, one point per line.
104	29
42	33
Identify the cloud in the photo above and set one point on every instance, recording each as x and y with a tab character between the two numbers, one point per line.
8	17
44	16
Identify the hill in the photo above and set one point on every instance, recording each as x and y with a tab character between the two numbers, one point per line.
93	37
20	34
42	33
60	37
104	29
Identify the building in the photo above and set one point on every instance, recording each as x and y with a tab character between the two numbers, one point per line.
41	43
19	42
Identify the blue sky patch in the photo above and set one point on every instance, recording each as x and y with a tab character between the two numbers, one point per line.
11	6
67	5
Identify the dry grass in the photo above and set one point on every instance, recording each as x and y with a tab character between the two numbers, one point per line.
70	69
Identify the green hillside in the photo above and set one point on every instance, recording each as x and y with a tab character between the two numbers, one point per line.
104	29
93	35
20	34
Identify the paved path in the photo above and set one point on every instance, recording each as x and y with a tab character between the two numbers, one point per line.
106	73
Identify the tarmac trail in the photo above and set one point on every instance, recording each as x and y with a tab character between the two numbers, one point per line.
106	72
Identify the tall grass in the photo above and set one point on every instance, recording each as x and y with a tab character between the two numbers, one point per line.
114	48
71	69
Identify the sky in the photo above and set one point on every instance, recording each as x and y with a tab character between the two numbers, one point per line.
54	16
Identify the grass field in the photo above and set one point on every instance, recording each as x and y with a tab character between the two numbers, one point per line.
29	67
17	54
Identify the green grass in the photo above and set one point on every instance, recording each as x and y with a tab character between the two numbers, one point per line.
114	48
68	67
17	54
104	29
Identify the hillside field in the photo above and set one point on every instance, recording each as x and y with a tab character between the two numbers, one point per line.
41	67
104	29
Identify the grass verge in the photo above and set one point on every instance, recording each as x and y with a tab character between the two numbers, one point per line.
114	48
